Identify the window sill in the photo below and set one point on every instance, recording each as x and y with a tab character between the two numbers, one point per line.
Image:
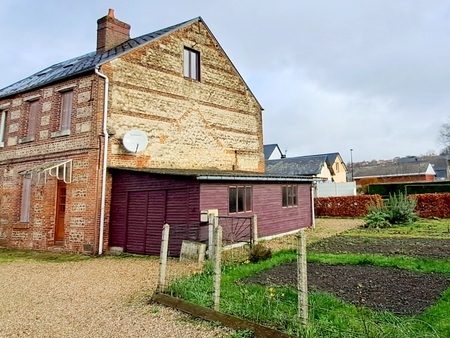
22	225
2	144
60	133
26	139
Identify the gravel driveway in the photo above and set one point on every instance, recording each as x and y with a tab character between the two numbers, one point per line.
104	297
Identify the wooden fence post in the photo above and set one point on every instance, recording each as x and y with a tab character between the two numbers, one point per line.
255	229
217	265
213	215
302	278
163	257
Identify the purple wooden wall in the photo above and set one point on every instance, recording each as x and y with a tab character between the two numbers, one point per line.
272	217
141	203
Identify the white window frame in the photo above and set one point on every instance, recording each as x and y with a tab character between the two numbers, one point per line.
191	64
3	127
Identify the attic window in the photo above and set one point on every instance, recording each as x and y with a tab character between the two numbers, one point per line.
192	64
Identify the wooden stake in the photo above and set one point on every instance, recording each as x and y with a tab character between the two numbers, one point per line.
302	278
163	257
217	265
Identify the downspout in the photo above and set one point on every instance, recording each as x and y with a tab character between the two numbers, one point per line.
105	161
313	215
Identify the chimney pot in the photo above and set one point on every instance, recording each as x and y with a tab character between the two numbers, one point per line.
111	13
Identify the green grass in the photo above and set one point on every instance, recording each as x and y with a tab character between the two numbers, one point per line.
8	255
423	228
329	316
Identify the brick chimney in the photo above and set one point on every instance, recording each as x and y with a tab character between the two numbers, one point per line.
111	32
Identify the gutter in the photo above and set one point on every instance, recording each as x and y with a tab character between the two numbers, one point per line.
105	160
254	178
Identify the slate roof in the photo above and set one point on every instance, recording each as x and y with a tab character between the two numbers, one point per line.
310	165
85	63
394	169
269	149
297	166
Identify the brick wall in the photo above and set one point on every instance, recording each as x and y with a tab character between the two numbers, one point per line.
21	154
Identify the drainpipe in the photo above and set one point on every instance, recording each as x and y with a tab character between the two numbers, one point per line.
105	161
313	186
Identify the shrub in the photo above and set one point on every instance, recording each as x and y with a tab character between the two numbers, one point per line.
259	253
398	209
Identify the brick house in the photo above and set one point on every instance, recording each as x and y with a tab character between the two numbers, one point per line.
63	155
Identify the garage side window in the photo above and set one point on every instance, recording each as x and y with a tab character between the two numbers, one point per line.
240	199
25	202
289	196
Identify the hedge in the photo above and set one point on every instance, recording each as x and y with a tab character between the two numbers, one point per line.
428	205
344	206
411	188
433	205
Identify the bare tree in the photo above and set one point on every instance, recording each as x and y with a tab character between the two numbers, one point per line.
444	137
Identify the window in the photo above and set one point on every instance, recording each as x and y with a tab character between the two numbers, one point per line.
289	196
25	204
192	64
32	119
66	110
240	199
337	167
3	128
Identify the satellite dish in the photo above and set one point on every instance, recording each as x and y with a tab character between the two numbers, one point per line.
135	141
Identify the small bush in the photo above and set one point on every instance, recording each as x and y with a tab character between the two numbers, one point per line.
398	209
259	253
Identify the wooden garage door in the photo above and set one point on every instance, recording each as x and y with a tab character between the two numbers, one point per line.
147	212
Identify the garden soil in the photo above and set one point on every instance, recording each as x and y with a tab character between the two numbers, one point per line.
380	288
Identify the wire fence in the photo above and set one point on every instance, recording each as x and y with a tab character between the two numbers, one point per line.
200	273
230	241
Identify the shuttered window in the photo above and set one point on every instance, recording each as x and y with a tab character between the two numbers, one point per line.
66	109
192	64
32	119
3	127
25	203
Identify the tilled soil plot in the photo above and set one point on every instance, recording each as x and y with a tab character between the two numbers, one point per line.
412	247
380	288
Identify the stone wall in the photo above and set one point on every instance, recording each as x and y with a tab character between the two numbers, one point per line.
214	123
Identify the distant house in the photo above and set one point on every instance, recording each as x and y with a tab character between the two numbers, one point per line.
440	166
328	167
399	171
101	150
273	152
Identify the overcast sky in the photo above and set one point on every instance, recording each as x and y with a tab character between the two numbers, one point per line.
372	76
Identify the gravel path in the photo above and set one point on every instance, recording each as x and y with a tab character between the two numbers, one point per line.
105	297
